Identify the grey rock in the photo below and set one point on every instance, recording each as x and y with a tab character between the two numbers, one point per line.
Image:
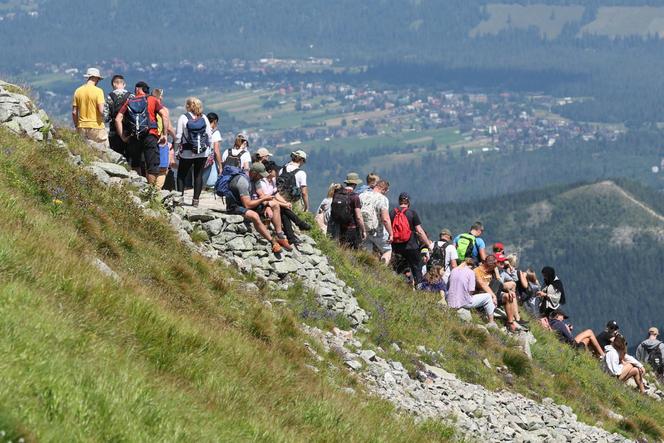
464	315
101	175
395	347
213	227
112	169
105	269
285	267
368	355
354	365
201	215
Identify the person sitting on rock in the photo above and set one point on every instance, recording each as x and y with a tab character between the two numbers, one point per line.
288	217
488	283
623	366
239	201
461	291
564	331
433	281
608	334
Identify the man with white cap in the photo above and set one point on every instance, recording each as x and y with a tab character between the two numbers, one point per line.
87	109
292	181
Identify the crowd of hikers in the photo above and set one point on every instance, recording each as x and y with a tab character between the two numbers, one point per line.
458	268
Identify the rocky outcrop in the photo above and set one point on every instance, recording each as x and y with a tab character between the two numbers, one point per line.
18	113
478	414
228	237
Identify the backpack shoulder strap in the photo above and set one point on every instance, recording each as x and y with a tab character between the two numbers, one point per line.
188	115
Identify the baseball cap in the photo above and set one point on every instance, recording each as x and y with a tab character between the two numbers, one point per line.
498	246
93	72
404	196
353	178
559	312
500	257
259	168
612	324
242	136
300	153
653	331
445	232
263	152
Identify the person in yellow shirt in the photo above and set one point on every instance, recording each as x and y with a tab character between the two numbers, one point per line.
87	110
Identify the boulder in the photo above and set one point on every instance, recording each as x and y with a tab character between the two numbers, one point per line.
464	315
113	169
101	175
213	227
201	215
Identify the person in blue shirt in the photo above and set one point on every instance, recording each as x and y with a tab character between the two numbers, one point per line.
472	237
586	338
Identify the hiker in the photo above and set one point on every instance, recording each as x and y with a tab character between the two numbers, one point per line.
372	180
498	247
621	365
530	300
87	109
461	292
212	166
238	155
261	155
553	293
444	253
470	244
651	351
323	211
192	140
608	334
114	102
288	217
376	215
346	212
586	338
433	282
141	132
406	230
166	153
487	282
292	181
237	187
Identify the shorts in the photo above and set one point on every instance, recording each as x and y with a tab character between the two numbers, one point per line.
97	135
377	242
233	207
163	156
145	149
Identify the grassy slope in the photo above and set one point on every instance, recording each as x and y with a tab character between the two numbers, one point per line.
175	351
412	319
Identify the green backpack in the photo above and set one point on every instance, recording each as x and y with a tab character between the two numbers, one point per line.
465	246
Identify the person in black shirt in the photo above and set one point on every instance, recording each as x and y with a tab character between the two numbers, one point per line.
607	335
410	249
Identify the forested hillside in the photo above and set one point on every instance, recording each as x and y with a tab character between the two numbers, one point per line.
605	240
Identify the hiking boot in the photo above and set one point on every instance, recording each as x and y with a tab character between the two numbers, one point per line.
284	244
194	203
276	248
522	322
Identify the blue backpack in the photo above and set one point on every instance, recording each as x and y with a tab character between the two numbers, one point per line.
222	188
137	117
197	140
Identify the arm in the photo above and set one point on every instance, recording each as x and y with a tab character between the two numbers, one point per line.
167	124
523	281
485	288
360	222
217	155
385	219
248	203
305	199
633	361
640	352
612	362
422	235
482	253
74	115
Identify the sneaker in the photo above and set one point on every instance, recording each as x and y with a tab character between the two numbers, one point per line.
194	203
304	226
276	247
500	312
284	244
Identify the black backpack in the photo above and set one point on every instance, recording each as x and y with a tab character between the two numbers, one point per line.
438	253
234	160
340	209
287	184
115	102
656	359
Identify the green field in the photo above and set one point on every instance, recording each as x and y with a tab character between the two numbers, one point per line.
442	137
548	19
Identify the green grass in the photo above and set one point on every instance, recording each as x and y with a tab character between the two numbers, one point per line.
556	371
176	350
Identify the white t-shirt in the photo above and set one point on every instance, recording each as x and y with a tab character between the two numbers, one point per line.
300	176
375	202
450	254
181	133
268	186
216	137
245	159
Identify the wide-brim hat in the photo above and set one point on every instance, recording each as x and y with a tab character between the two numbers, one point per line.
93	72
353	178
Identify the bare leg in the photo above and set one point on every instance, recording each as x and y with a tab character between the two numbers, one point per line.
276	216
386	257
260	227
152	179
588	338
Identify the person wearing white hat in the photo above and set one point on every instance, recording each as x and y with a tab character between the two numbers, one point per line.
292	181
87	109
262	155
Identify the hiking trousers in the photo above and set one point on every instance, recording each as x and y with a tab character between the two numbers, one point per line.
414	259
183	170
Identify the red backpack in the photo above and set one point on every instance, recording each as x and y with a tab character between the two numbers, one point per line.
401	231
